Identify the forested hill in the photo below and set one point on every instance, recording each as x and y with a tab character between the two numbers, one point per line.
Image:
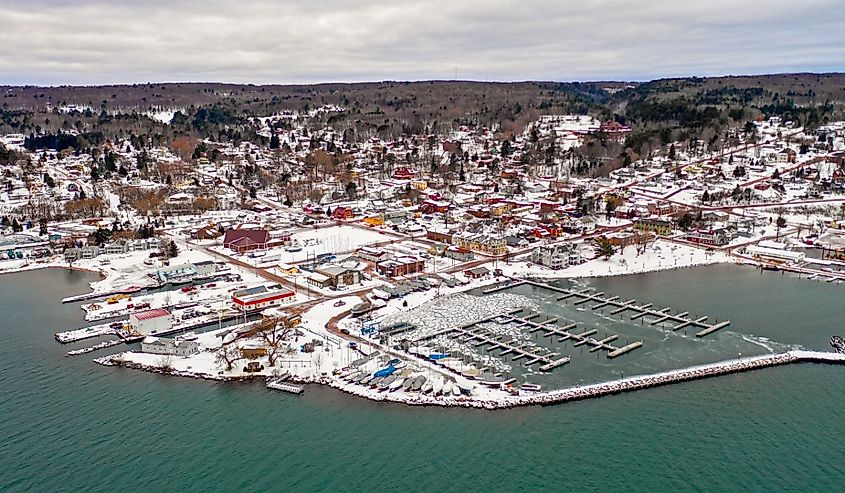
660	110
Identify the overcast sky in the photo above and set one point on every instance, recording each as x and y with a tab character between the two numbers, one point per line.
293	41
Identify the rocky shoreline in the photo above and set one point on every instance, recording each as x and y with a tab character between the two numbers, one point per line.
540	398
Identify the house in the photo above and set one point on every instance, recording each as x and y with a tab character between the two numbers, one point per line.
342	213
400	266
459	254
175	347
244	240
483	243
86	253
150	321
477	272
786	155
624	238
403	174
714	237
557	256
654	225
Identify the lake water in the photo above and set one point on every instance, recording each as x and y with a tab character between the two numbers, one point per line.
68	424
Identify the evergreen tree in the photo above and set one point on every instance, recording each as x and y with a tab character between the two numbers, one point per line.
172	249
274	142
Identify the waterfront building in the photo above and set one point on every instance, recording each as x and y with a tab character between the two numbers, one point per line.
557	256
149	321
160	345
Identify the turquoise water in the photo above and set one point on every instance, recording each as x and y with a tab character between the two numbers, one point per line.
70	425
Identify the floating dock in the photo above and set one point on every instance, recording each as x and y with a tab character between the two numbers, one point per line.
663	315
285	386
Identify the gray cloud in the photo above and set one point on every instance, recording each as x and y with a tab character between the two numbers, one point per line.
264	41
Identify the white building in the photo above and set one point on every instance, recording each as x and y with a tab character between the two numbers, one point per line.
158	345
557	256
150	321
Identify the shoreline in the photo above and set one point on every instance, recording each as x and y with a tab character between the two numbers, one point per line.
551	397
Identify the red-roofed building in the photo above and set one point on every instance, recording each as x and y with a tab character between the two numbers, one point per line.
244	240
343	213
150	321
265	299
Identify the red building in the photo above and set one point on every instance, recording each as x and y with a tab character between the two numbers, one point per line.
431	206
244	240
404	174
249	300
342	213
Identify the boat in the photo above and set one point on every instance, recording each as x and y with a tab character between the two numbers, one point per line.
396	384
456	391
418	383
408	383
533	387
339	303
426	387
375	381
293	249
447	388
188	336
384	384
437	387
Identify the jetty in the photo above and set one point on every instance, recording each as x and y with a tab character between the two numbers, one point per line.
676	376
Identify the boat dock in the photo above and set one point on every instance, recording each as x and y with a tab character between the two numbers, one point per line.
494	342
551	329
278	384
663	315
76	335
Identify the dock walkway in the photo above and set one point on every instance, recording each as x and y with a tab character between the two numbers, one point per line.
663	315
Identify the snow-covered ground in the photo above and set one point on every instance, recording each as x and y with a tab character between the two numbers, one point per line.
661	255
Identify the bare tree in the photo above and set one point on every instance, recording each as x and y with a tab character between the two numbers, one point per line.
165	363
226	356
273	332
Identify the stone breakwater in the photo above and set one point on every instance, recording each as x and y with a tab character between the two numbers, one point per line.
539	398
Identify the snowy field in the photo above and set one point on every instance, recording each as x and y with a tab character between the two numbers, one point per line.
661	255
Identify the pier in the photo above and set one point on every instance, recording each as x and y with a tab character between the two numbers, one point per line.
278	384
663	315
565	333
471	333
